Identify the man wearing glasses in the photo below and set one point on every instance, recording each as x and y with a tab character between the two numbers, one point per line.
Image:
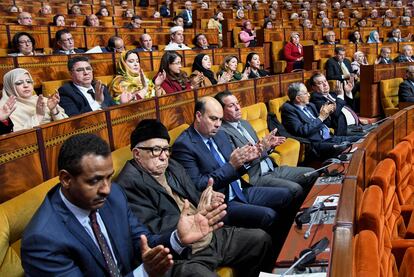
158	188
66	44
83	94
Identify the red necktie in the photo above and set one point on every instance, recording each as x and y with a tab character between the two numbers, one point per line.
103	245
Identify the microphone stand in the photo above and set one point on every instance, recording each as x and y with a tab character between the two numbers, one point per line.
296	263
307	174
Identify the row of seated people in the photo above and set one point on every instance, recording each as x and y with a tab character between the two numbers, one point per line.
84	95
384	216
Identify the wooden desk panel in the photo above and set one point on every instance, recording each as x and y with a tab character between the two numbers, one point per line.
267	88
177	108
400	125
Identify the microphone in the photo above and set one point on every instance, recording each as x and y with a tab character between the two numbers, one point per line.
342	145
333	161
305	216
309	255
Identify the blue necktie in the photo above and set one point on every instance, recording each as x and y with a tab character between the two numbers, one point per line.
234	185
325	130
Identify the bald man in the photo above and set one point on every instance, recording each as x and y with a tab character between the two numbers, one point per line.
25	18
206	152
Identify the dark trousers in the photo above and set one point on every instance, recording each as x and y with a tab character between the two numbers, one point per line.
249	251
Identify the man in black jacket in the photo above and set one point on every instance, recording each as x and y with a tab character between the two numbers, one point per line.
338	67
83	94
157	188
406	89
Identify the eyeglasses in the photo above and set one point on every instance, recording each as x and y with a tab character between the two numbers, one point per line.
23	42
68	39
21	82
84	69
156	150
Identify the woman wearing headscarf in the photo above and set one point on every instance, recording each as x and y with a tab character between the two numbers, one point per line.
373	37
130	78
293	52
202	64
31	110
248	34
253	63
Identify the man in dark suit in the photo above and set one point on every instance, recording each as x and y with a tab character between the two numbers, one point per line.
115	45
329	38
157	188
82	94
146	43
65	42
262	171
302	119
206	152
384	57
343	114
338	67
165	9
406	89
187	14
406	55
85	228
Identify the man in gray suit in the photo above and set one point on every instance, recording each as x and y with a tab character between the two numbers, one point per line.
262	171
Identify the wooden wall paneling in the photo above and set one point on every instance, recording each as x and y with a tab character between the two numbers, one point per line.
159	37
400	125
312	34
288	78
20	163
78	34
267	88
156	59
102	63
130	37
244	91
176	109
220	53
410	119
55	133
211	35
4	41
39	33
6	64
401	69
45	68
189	56
124	119
385	138
210	91
369	146
275	34
98	36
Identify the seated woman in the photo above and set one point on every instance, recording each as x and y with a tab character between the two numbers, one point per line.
215	24
359	59
228	70
103	11
202	65
23	45
293	52
59	20
355	38
131	79
31	110
267	24
253	65
373	37
248	34
170	76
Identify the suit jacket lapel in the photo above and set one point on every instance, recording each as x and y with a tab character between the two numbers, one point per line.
77	91
411	87
250	130
235	133
76	228
201	146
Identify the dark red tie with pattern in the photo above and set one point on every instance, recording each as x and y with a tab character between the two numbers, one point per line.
106	252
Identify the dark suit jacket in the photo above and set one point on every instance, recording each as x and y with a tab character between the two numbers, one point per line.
337	119
165	11
185	16
60	51
150	202
402	59
141	49
334	71
74	103
327	43
299	124
406	92
238	140
55	243
385	61
193	154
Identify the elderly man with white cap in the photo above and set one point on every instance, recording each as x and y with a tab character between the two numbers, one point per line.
177	39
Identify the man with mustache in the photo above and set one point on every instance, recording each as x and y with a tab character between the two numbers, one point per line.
157	188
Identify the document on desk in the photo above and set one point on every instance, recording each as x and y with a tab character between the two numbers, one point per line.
328	200
319	274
